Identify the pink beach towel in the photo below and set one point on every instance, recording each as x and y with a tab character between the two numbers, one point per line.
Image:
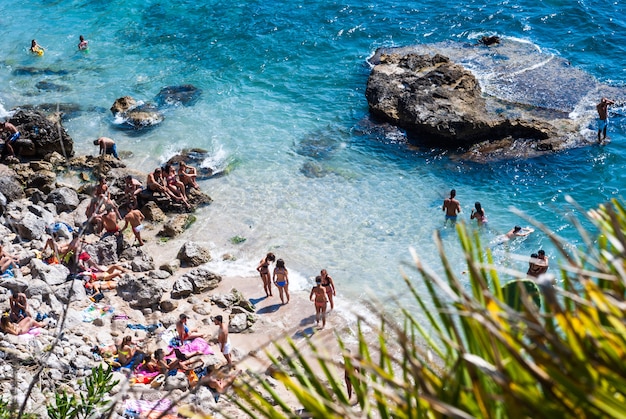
196	345
35	331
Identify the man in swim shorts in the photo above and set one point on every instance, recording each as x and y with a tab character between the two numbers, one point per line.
107	146
222	339
603	116
14	135
451	207
134	218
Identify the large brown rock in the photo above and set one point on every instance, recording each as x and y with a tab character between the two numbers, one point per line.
134	115
440	102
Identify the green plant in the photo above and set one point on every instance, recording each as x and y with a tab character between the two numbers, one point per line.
237	239
92	398
476	356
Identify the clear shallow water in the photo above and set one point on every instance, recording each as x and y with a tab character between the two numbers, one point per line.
283	95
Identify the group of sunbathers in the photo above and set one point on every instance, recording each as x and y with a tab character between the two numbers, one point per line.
173	183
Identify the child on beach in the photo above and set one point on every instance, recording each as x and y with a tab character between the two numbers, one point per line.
320	301
281	280
264	269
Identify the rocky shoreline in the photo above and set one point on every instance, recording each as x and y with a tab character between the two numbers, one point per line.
36	194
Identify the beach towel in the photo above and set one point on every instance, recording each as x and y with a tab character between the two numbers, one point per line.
169	335
96	311
35	331
150	329
148	409
196	345
142	376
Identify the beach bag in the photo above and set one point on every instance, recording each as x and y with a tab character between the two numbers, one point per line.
61	230
158	381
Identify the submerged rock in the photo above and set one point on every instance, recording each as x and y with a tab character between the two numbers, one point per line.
186	95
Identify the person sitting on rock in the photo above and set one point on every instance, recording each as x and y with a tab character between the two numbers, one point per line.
6	261
18	306
20	328
175	186
132	188
183	331
128	355
156	183
187	175
62	253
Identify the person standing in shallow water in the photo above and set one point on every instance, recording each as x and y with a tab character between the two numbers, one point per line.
451	207
603	117
83	44
281	280
319	292
478	214
264	270
329	286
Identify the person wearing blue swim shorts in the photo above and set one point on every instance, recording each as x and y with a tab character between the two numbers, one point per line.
603	117
107	146
14	134
451	207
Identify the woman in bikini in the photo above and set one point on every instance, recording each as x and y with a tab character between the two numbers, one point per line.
20	328
281	279
329	286
176	187
320	301
478	213
264	270
187	175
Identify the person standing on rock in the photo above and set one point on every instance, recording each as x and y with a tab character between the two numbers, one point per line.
107	146
222	339
134	218
603	117
451	207
14	135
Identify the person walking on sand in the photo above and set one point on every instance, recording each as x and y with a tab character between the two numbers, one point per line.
107	146
281	280
451	207
319	292
603	116
538	264
329	286
478	214
83	44
264	269
134	218
223	340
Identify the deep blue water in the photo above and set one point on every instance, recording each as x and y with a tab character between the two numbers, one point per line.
283	96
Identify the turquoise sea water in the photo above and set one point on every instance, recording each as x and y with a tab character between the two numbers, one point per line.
283	97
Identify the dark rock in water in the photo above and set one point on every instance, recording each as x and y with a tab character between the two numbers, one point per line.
318	146
40	135
66	110
489	40
134	115
186	95
440	103
195	157
313	170
35	71
51	87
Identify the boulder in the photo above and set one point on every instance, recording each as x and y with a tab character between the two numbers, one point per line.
64	199
182	288
440	103
104	251
139	292
140	260
185	95
55	274
203	279
192	254
175	225
152	212
27	225
171	266
40	135
10	187
136	115
237	323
